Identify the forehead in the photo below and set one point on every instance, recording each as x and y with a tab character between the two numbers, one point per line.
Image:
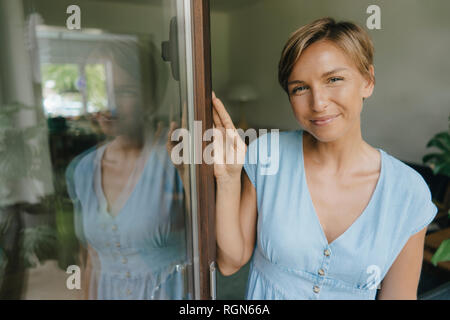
320	57
122	77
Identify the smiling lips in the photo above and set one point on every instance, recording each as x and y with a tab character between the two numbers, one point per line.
324	120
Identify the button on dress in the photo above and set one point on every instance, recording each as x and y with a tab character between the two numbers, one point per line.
141	247
292	258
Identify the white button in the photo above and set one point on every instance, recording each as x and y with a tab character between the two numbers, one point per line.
124	260
128	292
321	272
114	227
316	289
152	297
128	274
327	252
117	245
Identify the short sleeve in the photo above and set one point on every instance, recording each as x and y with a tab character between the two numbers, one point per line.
262	157
251	161
423	209
70	175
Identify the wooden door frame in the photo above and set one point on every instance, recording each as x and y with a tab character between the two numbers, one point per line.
204	173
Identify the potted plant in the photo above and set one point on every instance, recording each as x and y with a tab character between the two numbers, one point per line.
440	164
23	182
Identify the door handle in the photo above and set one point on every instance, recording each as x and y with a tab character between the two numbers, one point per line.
212	279
169	49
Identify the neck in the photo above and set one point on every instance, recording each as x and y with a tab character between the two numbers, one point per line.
124	148
341	156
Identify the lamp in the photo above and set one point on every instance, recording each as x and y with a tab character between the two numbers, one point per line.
242	94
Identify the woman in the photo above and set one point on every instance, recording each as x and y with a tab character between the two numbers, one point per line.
128	196
339	216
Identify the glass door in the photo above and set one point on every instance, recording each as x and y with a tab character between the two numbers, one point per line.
93	204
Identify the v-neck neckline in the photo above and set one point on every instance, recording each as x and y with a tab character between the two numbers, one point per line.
103	203
360	217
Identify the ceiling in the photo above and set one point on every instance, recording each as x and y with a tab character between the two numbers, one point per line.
219	5
225	5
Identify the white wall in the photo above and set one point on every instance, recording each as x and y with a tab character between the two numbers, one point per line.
411	100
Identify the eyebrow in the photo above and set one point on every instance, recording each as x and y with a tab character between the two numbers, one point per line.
323	75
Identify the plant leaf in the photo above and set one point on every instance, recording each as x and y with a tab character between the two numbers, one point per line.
39	243
441	141
442	253
442	167
432	156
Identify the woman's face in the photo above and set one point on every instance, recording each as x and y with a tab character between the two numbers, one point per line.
326	91
126	118
128	101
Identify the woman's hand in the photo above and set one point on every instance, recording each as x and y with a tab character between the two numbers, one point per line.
229	148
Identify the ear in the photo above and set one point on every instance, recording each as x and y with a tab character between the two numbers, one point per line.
369	84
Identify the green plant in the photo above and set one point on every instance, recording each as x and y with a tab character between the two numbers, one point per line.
21	162
64	76
38	244
20	151
440	164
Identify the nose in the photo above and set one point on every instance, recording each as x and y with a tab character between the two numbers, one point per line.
319	99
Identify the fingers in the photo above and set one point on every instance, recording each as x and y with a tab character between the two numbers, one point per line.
170	144
216	119
173	126
222	113
218	145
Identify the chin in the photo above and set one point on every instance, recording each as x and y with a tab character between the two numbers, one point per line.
324	137
324	134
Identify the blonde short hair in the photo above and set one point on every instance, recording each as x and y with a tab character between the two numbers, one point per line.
352	39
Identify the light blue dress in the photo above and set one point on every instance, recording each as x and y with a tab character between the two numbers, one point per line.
292	258
141	250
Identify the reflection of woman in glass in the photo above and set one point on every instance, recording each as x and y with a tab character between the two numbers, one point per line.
127	194
339	216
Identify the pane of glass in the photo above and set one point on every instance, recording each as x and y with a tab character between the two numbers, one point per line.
59	90
91	204
97	99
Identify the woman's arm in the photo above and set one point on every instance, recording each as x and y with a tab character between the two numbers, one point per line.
236	209
402	279
236	215
88	274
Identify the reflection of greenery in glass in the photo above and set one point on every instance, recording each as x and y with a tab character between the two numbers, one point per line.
20	150
64	75
65	78
96	88
38	244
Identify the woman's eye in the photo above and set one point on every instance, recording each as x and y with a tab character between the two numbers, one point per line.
298	89
334	79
